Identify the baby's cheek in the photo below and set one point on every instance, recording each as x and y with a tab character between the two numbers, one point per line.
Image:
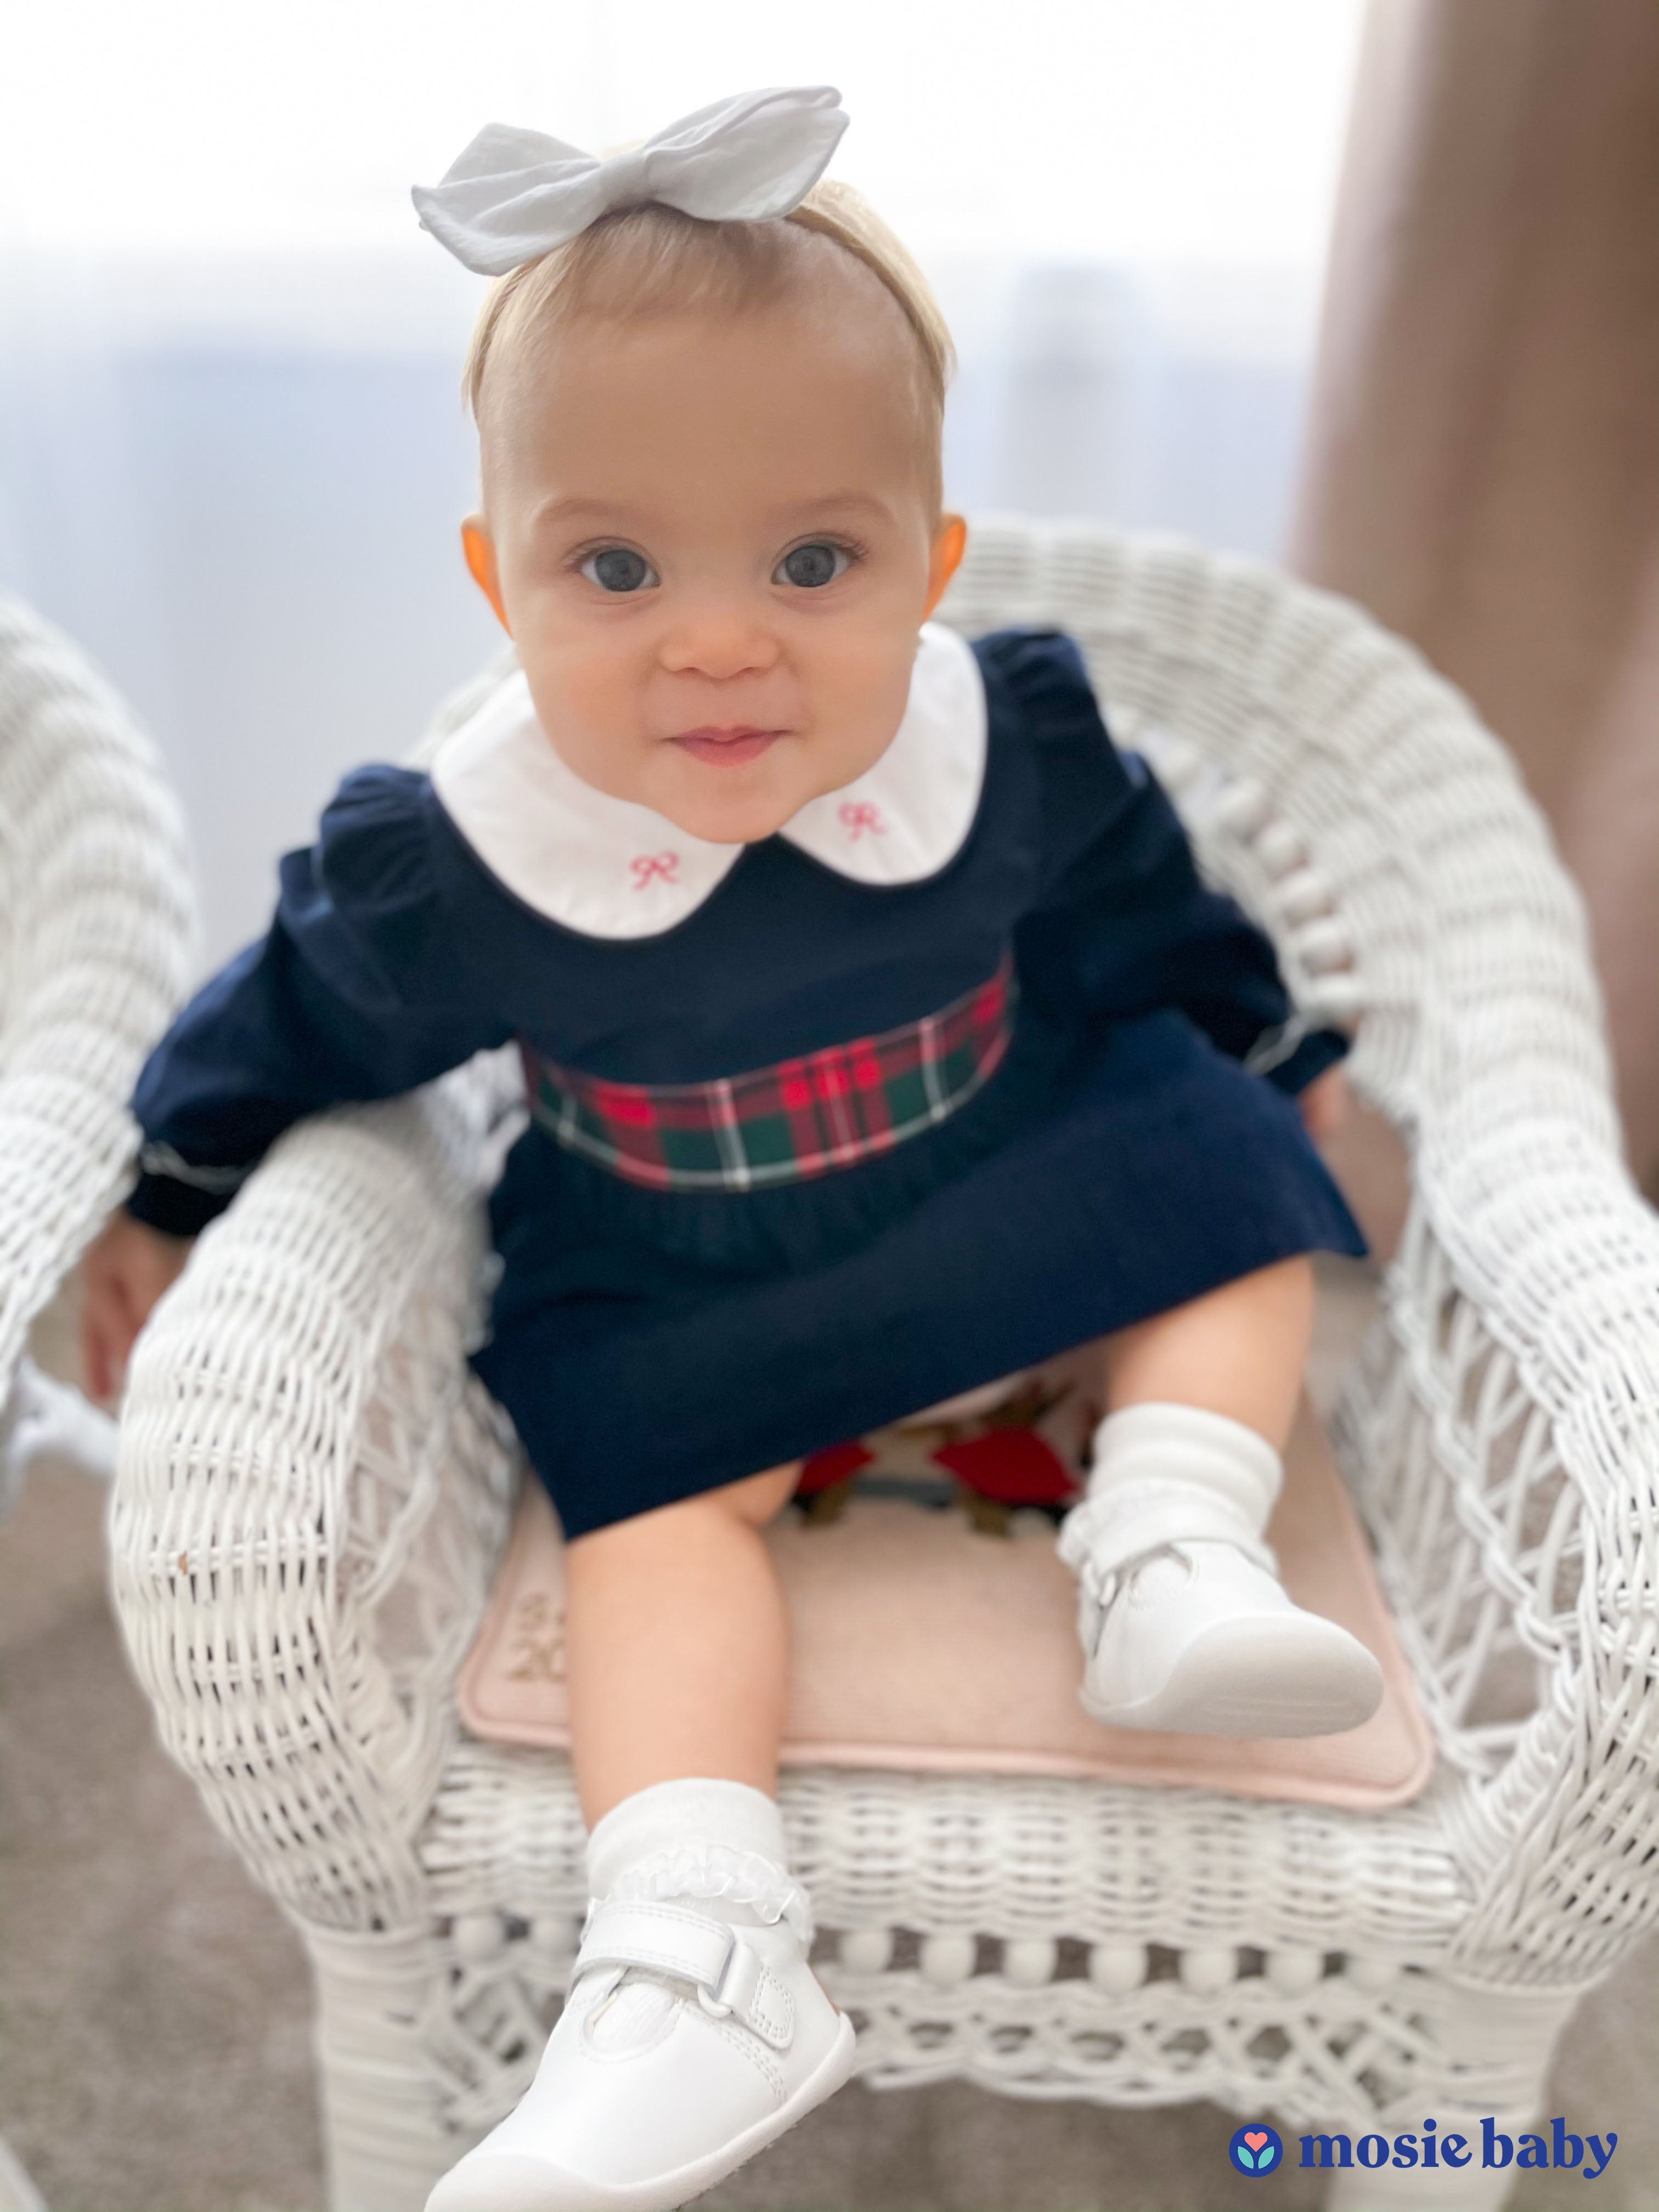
593	687
862	696
593	719
587	680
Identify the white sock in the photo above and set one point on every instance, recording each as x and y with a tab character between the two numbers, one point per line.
694	1839
699	1838
1166	1474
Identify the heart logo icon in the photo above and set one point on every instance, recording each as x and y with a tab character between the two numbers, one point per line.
1254	2150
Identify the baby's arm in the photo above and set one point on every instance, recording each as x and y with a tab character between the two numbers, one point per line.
1325	1103
1171	941
123	1275
339	1001
1220	968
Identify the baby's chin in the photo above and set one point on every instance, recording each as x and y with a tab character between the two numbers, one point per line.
730	805
731	819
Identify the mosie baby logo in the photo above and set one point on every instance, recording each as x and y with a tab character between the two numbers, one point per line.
1563	2152
1256	2149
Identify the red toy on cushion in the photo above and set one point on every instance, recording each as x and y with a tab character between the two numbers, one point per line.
1030	1448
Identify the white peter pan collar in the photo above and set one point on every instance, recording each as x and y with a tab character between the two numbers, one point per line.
609	867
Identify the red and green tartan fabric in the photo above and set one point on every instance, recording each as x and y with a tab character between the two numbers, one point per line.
779	1124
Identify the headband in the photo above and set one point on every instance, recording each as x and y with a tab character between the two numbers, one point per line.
513	195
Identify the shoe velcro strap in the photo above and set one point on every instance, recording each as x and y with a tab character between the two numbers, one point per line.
672	1939
1103	1535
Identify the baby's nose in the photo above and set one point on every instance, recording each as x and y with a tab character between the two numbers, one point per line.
719	643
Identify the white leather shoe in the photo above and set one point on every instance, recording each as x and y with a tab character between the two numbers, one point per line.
1199	1637
1183	1621
694	2035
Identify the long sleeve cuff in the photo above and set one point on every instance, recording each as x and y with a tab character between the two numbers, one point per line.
1306	1061
178	1198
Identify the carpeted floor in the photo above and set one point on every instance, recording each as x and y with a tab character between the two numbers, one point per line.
153	2008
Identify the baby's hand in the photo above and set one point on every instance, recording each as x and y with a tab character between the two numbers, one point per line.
1324	1104
123	1275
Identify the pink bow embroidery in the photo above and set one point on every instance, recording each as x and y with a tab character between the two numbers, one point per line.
648	865
858	814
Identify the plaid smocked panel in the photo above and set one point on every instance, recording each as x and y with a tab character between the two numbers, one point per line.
779	1124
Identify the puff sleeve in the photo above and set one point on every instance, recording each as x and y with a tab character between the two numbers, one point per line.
1124	918
358	990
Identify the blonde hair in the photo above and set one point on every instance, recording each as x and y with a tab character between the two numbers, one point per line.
651	257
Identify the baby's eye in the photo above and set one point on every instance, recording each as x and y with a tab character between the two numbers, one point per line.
617	568
812	566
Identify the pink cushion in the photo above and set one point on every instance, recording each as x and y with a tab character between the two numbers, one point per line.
921	1643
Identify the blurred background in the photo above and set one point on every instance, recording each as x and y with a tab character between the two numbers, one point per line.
233	460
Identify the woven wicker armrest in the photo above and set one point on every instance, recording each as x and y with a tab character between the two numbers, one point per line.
96	928
1501	1436
312	1494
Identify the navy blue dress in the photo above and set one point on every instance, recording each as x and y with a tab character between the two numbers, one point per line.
650	1344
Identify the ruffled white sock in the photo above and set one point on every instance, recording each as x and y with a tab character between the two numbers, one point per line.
1167	1473
699	1838
694	1839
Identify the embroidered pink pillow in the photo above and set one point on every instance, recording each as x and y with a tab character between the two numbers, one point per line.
934	1638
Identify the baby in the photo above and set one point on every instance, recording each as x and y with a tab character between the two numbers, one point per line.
880	1040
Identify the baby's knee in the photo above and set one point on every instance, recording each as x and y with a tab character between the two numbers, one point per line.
758	1498
749	1502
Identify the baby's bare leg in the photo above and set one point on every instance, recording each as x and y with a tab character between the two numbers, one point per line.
666	2069
677	1644
1239	1351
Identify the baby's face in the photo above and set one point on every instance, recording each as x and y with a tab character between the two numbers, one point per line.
712	544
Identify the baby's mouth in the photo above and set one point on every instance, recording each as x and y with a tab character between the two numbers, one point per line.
725	746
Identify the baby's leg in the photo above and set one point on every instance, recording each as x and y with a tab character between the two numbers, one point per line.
694	2032
1239	1351
677	1644
1183	1621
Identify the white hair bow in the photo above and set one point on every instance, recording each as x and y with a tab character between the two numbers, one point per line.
513	195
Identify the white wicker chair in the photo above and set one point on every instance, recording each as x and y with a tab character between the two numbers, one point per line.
313	1494
97	931
97	939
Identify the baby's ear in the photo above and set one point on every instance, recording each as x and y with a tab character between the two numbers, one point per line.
950	542
479	548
